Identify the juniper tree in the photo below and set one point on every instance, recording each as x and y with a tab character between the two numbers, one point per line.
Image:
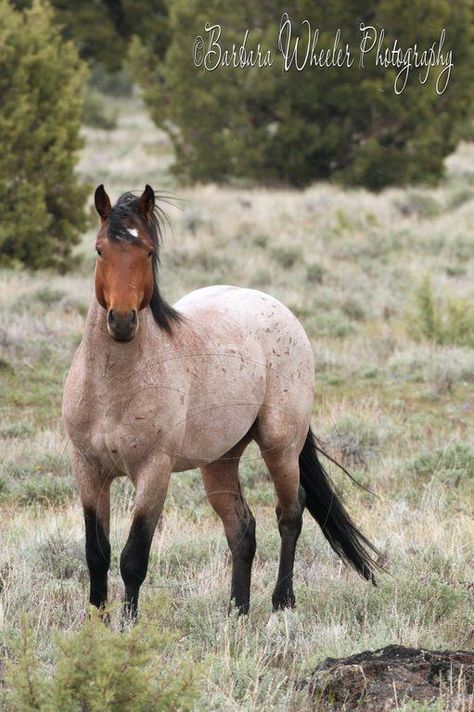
299	126
41	81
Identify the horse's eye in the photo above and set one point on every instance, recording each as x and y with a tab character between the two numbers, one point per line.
151	253
98	252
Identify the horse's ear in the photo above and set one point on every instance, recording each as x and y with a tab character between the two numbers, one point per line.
102	202
147	201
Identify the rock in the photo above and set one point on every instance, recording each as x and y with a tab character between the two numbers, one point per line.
383	680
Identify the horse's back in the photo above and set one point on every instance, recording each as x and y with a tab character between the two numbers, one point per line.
258	326
252	315
251	307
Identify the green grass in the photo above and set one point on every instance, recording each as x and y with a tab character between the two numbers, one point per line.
393	401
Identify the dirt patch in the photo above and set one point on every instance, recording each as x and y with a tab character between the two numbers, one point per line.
385	679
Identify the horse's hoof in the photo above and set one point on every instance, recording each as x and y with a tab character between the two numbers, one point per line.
282	601
102	613
241	608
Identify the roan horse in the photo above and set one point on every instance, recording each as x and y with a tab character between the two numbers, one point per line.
155	389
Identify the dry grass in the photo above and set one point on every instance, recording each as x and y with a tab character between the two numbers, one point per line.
348	263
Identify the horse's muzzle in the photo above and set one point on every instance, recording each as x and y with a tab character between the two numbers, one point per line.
122	326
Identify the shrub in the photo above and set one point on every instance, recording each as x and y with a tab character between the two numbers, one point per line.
459	197
97	669
47	296
286	256
315	273
352	308
61	558
353	442
428	316
448	321
260	240
420	205
3	488
327	323
294	126
261	279
433	706
442	367
452	465
20	429
45	490
41	81
38	299
5	366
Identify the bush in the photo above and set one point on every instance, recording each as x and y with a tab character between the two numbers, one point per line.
353	441
3	488
20	429
417	204
5	366
286	256
62	559
297	126
97	669
315	273
442	367
46	491
47	296
41	82
452	466
448	321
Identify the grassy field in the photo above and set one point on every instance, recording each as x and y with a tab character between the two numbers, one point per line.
384	287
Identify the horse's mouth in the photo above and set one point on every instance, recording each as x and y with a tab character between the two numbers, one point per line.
121	337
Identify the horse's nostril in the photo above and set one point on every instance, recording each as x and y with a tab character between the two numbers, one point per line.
122	325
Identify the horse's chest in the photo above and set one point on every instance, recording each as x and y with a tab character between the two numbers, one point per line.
119	429
116	447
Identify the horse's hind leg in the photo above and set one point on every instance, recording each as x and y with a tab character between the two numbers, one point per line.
221	480
284	469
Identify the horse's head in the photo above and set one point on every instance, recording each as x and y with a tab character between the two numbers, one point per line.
127	254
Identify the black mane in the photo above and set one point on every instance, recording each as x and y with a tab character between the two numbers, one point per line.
127	210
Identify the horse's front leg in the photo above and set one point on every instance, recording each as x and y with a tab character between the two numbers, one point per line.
151	483
94	491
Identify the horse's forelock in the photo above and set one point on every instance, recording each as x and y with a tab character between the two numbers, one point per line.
126	210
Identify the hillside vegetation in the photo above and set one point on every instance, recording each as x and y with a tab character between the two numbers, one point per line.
383	284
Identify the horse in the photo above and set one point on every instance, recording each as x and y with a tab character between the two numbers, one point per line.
155	389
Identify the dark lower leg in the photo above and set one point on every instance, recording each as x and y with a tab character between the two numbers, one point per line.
221	480
97	557
243	552
289	525
134	562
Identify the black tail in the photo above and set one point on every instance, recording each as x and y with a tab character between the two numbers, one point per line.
327	509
